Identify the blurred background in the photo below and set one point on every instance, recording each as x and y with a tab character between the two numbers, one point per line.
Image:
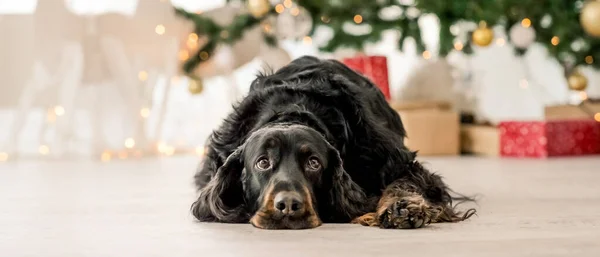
123	79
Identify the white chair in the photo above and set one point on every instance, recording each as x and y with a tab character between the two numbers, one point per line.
15	70
54	74
140	55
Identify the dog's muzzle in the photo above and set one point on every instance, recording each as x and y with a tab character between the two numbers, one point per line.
286	209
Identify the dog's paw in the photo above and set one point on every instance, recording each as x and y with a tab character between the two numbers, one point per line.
408	212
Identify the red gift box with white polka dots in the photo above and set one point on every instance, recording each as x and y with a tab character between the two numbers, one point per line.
542	139
373	67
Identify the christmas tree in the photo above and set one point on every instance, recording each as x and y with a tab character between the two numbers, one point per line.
569	29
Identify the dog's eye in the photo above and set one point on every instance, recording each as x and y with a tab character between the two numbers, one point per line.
313	164
263	163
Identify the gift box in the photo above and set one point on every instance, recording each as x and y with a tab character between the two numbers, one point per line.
432	127
542	139
432	131
420	105
585	110
480	139
373	67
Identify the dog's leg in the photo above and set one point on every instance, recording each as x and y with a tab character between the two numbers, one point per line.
414	202
400	207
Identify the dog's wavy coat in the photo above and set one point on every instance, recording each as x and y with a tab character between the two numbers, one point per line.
316	142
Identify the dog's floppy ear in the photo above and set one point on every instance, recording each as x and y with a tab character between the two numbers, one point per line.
348	199
222	199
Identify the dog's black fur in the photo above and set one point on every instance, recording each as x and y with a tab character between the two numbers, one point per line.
367	169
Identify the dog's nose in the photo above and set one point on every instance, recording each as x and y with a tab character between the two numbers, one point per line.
288	203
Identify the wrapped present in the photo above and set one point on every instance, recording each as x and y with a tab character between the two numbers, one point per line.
589	109
480	139
432	131
420	105
542	139
373	67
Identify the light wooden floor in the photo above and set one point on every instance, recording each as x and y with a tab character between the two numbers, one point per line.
140	208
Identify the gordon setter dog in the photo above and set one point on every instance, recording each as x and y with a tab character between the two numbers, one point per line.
317	142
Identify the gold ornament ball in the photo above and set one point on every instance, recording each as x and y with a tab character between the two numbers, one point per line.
577	81
195	86
483	36
258	8
590	18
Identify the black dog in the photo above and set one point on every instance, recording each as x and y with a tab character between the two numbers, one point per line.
317	142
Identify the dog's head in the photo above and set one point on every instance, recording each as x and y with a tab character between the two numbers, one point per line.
284	167
282	177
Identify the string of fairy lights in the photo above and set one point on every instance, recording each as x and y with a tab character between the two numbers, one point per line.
129	144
